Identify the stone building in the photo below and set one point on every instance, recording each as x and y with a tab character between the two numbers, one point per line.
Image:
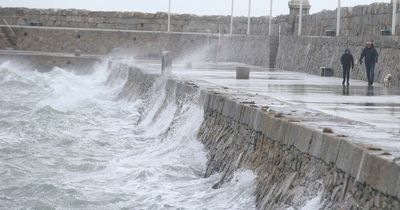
294	6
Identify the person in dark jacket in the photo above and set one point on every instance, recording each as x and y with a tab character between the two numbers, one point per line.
347	62
371	58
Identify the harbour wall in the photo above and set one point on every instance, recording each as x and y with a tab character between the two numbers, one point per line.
293	53
73	18
95	41
101	32
362	20
45	62
293	163
254	50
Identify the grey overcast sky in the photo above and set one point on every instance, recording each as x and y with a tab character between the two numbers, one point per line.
200	7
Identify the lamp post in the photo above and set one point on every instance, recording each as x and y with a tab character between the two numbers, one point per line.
300	16
248	20
231	32
169	16
394	17
270	17
338	19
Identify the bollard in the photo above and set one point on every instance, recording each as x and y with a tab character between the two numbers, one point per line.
242	72
326	72
166	62
77	52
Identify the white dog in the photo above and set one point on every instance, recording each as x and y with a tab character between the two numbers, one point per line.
387	81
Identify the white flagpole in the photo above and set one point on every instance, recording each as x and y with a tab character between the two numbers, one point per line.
300	16
248	20
169	16
394	16
338	18
231	32
270	18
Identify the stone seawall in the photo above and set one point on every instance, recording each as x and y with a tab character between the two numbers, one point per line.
47	61
305	54
364	20
130	20
293	162
253	50
142	44
308	54
256	50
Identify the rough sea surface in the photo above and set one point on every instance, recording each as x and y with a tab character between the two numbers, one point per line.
68	141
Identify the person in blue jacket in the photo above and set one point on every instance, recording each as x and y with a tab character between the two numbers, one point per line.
347	62
371	58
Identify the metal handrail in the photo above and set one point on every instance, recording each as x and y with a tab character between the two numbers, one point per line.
14	36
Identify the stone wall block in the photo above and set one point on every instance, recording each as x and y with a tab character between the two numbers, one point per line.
246	117
253	114
380	173
210	102
220	101
349	158
229	107
316	144
258	121
302	137
238	112
330	148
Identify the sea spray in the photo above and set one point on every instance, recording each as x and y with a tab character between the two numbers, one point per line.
74	141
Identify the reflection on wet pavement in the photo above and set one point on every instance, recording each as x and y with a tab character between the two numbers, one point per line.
377	106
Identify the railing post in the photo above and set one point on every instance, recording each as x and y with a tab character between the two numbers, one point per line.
231	30
300	16
394	17
248	20
338	19
169	16
270	18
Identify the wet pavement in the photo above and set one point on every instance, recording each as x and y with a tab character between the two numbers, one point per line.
366	115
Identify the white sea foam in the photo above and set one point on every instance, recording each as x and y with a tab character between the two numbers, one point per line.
66	142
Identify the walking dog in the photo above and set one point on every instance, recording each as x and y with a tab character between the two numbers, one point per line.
387	81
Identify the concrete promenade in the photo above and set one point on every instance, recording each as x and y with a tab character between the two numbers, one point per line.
294	130
366	116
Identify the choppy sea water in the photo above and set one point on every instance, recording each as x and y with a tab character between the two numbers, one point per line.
68	141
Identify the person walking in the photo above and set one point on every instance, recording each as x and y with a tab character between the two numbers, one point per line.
371	58
347	61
